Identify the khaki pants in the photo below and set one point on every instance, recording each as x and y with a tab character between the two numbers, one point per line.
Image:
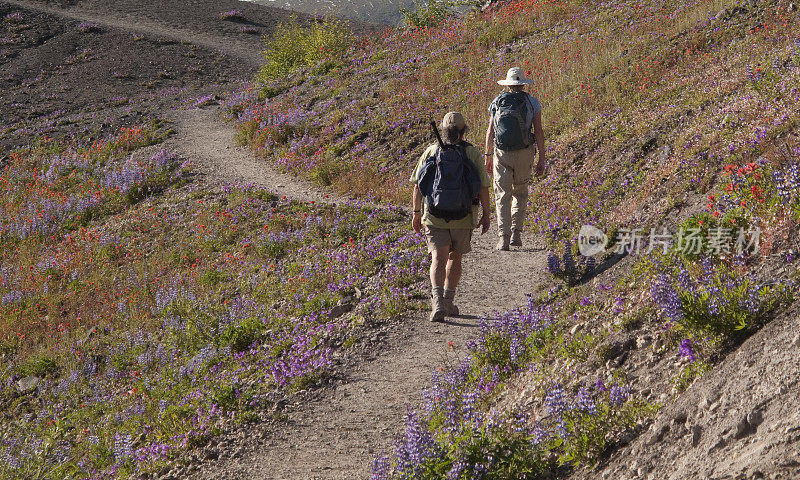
512	175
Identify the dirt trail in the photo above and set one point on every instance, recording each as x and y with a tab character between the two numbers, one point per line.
229	46
337	433
205	139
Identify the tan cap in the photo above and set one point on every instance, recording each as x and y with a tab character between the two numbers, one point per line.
454	119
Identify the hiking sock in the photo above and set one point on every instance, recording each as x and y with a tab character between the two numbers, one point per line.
452	309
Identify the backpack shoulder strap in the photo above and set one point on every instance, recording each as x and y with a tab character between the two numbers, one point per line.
530	99
426	172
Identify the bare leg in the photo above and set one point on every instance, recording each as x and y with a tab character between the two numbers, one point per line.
440	267
453	271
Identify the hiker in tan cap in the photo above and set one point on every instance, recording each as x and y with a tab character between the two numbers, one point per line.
513	114
451	178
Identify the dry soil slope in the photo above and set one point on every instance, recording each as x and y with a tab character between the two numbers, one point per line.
60	81
739	421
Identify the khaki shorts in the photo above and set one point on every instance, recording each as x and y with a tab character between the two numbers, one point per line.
455	239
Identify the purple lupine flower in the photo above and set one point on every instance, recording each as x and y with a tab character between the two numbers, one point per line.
479	470
553	263
666	297
14	17
381	468
600	385
459	466
708	270
123	446
204	101
11	461
516	349
557	405
793	176
201	359
684	279
584	402
753	300
568	259
687	350
619	395
12	297
784	193
713	305
232	14
591	264
538	434
416	446
716	300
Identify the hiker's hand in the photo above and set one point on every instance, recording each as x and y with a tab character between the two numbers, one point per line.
540	170
416	222
484	223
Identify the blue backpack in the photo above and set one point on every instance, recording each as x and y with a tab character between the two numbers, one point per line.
450	182
511	129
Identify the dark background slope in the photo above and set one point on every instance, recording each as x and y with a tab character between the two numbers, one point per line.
61	80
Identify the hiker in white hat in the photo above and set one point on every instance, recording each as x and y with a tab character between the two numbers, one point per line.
509	153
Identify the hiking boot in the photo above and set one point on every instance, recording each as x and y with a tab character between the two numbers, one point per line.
452	309
438	310
503	243
516	239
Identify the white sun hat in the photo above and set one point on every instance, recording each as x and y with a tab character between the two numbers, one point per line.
515	76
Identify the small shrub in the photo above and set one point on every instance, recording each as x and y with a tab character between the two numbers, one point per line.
715	305
688	373
239	337
39	366
428	14
276	249
213	278
225	396
433	12
633	320
293	47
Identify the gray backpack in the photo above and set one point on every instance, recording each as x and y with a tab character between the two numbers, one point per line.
511	129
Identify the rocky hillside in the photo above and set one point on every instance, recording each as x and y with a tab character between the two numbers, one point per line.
738	421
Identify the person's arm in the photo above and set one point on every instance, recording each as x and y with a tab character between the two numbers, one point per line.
416	204
484	198
538	132
488	160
